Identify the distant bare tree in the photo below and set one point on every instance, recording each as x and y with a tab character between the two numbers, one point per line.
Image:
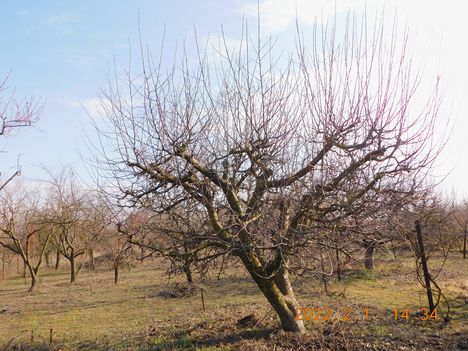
21	225
97	218
174	235
66	212
273	150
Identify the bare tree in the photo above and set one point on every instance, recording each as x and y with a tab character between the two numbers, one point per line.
272	149
174	235
97	217
21	224
66	214
112	234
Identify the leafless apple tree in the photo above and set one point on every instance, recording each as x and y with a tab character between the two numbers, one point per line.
273	148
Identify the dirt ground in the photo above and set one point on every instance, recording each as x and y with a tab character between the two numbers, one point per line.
149	312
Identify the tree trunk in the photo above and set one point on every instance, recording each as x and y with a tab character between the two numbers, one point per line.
338	265
24	271
280	295
117	264
33	274
33	280
464	244
188	273
116	274
91	260
187	261
323	275
72	268
3	266
57	260
369	254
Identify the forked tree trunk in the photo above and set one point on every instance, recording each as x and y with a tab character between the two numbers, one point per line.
33	279
280	295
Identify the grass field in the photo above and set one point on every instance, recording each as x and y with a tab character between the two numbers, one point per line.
93	314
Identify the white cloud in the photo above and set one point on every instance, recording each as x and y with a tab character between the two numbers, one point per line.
63	18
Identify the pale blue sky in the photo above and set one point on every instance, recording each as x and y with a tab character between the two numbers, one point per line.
60	51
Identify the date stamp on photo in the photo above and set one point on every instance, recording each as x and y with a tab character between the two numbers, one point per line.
422	314
349	314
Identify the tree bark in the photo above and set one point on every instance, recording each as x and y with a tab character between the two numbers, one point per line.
33	279
116	274
464	244
3	266
338	264
279	293
72	268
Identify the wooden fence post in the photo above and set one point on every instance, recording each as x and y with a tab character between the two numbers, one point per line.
464	244
422	256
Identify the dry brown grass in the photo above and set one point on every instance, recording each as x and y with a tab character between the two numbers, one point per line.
93	314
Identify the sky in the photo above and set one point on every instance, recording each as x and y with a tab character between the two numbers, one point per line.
61	51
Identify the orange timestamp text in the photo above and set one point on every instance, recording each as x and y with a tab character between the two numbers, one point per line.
423	314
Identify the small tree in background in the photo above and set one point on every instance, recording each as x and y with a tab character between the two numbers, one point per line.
66	212
23	229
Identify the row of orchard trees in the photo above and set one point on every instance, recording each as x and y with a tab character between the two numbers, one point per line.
65	218
59	216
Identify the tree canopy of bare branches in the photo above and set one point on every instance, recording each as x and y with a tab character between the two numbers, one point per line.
272	149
